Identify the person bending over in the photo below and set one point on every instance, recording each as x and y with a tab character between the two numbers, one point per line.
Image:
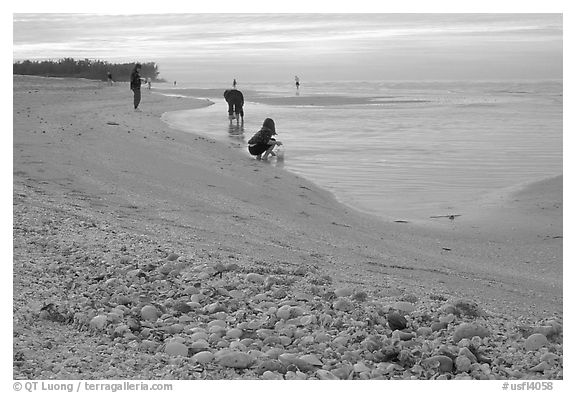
262	142
235	100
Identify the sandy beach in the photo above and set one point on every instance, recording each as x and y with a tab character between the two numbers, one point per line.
100	190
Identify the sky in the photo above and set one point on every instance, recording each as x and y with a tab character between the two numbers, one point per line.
276	46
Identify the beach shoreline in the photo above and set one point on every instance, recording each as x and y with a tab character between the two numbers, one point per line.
83	159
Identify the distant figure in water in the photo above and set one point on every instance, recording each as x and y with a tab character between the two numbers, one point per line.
174	83
135	83
109	76
235	100
297	82
263	142
234	83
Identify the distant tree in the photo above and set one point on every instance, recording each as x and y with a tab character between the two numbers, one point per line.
86	68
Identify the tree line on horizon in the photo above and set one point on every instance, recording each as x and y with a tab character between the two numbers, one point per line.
87	68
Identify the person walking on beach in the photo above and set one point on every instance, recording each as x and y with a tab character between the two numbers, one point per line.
297	80
263	142
135	83
235	100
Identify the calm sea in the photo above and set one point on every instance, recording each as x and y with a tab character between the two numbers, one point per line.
412	150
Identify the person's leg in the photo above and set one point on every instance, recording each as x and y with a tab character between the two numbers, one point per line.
137	97
230	108
257	150
268	152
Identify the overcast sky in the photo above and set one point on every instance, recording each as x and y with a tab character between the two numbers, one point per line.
261	47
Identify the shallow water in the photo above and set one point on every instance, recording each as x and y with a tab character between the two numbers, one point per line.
415	150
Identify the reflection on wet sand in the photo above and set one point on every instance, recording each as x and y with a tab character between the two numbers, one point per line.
236	130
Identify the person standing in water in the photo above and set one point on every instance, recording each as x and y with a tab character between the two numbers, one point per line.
234	83
135	84
263	142
235	100
297	80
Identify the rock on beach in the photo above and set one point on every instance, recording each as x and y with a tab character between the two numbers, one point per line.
535	341
234	359
469	330
149	313
98	322
176	349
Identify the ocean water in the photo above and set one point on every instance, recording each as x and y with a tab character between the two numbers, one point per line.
399	150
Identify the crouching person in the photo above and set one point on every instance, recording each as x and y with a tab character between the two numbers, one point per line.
262	143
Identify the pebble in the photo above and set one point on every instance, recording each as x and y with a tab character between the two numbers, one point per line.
542	366
321	337
312	359
255	278
424	331
326	375
173	257
343	304
148	345
535	342
343	292
396	321
468	308
271	365
444	363
360	296
448	318
549	357
234	359
343	372
341	340
198	336
403	336
217	322
467	353
121	330
270	375
284	312
149	313
203	357
361	368
288	359
548	331
437	326
176	349
199	346
279	293
295	375
469	330
463	363
234	333
98	322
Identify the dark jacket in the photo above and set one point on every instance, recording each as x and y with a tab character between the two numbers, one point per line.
234	95
135	80
265	134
